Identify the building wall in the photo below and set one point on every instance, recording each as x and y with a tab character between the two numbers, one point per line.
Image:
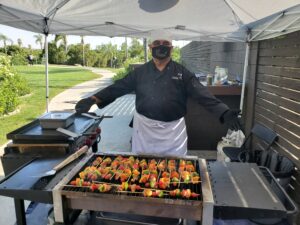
205	56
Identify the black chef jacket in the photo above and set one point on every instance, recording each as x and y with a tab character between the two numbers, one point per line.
162	95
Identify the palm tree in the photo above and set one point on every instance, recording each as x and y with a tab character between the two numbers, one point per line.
39	40
5	39
63	38
109	51
65	42
126	48
19	42
82	43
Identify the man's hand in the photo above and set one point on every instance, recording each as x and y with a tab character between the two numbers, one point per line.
84	105
230	117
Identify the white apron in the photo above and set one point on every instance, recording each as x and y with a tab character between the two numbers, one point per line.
153	137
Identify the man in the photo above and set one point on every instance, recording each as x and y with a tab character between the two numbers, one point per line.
162	87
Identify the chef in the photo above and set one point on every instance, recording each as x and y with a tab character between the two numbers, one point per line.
162	87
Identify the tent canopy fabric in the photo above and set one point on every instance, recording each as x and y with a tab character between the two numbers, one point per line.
201	20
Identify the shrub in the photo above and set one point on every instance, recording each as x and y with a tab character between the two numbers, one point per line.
12	86
120	74
127	68
19	59
8	97
20	85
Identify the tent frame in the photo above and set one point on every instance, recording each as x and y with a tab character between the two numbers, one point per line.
251	33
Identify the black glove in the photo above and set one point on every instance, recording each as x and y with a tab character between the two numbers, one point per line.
84	105
230	117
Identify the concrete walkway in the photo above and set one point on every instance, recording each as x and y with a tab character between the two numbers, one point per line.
67	99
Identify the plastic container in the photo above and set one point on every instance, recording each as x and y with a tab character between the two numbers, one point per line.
217	76
56	119
209	79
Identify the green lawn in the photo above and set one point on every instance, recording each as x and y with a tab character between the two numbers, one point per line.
34	105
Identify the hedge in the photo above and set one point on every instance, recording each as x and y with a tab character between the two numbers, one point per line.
12	86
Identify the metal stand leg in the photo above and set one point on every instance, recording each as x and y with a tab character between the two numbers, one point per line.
20	211
95	146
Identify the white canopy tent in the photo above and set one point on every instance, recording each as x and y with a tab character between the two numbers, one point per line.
200	20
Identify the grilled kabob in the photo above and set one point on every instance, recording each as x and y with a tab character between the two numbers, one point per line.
175	178
90	173
135	187
152	180
190	166
187	177
132	187
97	161
185	193
143	164
164	183
195	177
162	166
171	165
104	187
136	164
106	162
80	183
144	177
153	193
135	175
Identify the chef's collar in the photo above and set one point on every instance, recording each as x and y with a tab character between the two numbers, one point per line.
167	66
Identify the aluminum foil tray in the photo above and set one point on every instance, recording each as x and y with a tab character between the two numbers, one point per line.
56	119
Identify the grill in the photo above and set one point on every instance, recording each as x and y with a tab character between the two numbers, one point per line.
196	188
222	190
31	141
227	191
119	201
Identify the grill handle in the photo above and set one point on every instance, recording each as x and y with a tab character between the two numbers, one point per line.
71	158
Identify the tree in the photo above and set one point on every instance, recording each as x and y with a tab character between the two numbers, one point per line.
126	48
82	44
5	39
91	56
63	39
110	51
19	42
39	40
75	54
136	49
102	58
176	54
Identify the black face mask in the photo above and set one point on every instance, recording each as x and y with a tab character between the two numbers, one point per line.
161	52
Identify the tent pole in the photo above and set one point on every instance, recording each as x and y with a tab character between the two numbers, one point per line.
246	62
46	72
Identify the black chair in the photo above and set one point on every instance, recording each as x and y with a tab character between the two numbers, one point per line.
237	154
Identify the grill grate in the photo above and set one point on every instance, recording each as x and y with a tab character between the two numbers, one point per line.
196	187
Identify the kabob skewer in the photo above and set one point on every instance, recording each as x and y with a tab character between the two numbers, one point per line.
155	176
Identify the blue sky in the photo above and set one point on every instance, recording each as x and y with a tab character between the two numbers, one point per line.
27	38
